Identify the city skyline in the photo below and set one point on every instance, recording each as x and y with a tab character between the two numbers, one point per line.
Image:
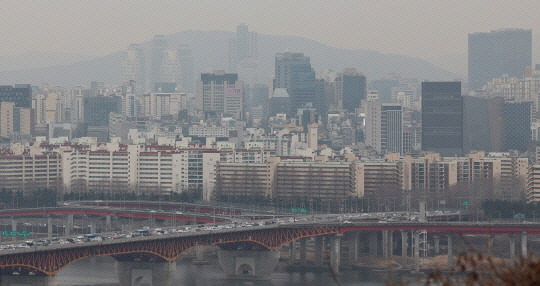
375	19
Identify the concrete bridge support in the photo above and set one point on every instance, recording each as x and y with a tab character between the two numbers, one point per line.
248	264
385	243
490	245
303	248
450	249
373	243
319	250
49	227
512	239
14	226
17	280
108	224
353	247
292	252
335	252
145	273
199	255
416	239
524	244
437	240
69	225
92	226
404	246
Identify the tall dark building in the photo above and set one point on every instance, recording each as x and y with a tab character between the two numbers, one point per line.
97	109
384	88
20	94
243	46
483	124
187	76
353	89
442	118
294	72
159	45
517	118
492	54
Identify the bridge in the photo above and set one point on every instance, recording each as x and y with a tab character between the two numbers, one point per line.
252	252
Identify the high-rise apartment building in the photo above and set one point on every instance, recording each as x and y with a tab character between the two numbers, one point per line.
158	105
133	67
294	72
243	46
442	118
496	53
221	93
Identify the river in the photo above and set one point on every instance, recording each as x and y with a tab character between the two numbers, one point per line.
101	272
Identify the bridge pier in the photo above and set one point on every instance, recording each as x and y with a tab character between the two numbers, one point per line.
303	242
437	244
92	226
373	243
145	273
248	264
108	223
14	226
385	244
49	227
404	246
450	250
512	247
18	280
416	239
69	224
319	250
353	247
292	252
524	244
199	255
490	245
335	252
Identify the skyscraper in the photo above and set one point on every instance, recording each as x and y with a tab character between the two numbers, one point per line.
492	54
243	46
159	45
97	109
442	118
133	67
384	127
15	120
20	94
170	67
517	118
221	93
294	72
351	89
187	79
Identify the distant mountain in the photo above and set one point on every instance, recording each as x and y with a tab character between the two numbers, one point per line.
34	60
210	51
454	63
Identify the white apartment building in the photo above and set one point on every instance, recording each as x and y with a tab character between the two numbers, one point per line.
157	105
24	171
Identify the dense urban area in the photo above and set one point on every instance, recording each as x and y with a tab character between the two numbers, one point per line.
393	167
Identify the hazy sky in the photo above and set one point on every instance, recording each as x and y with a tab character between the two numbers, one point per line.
416	28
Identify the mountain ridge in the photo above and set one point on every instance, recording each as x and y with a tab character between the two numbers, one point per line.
210	51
